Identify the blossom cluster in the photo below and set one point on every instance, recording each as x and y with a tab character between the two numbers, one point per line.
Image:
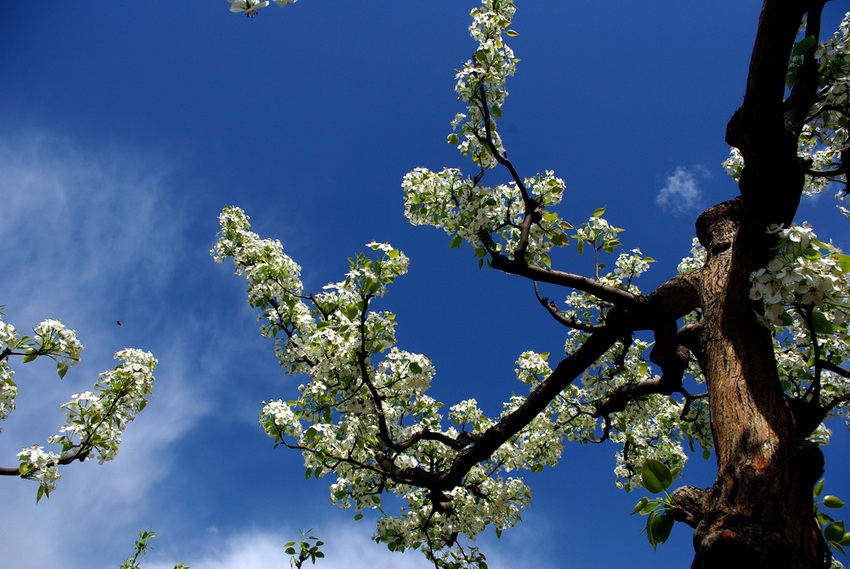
58	342
654	426
250	7
41	466
8	389
489	218
804	272
833	55
364	414
481	82
50	338
657	426
696	260
95	419
805	294
825	134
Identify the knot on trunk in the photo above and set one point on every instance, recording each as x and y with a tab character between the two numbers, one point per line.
717	225
690	505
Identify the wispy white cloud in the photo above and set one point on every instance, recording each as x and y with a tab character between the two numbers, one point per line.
682	192
87	235
76	219
346	547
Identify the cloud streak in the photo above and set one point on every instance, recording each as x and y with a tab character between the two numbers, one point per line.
86	236
681	192
345	547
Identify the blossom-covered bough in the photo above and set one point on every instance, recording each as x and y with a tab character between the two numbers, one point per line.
744	353
94	419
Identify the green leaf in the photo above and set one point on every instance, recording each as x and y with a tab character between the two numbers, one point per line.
818	488
610	245
599	211
821	323
791	76
843	261
29	357
824	519
658	527
358	517
415	367
455	242
656	476
561	239
834	531
833	502
452	138
511	33
651	506
496	110
803	45
352	311
61	369
639	506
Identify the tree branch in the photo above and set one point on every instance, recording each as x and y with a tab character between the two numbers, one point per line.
563	375
772	179
567	321
81	454
521	268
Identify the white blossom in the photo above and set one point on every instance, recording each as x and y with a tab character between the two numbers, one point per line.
41	466
249	7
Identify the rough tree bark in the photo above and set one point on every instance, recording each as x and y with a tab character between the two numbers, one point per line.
759	512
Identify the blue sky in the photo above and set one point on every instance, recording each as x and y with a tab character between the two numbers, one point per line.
127	126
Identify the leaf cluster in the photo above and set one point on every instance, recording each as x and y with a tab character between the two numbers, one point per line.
307	548
657	478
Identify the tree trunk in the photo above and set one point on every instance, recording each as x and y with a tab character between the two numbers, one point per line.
759	512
